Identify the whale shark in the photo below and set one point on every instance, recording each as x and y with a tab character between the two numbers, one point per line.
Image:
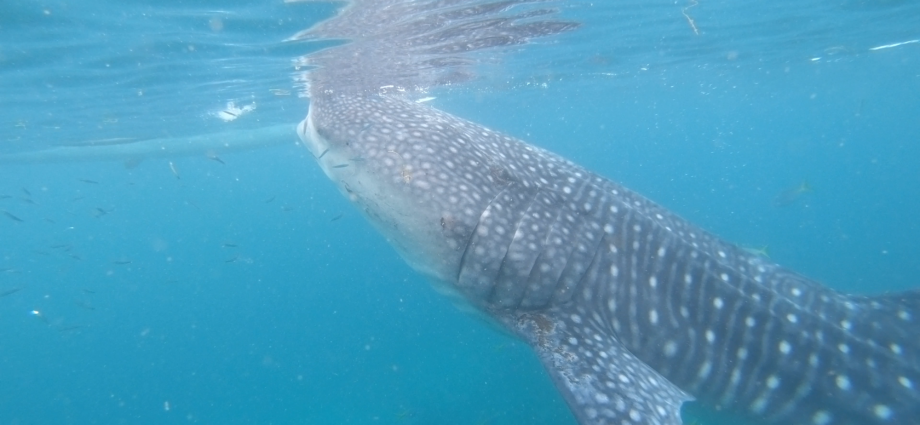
632	310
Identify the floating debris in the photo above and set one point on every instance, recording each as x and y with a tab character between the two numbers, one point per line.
38	314
888	46
232	112
104	142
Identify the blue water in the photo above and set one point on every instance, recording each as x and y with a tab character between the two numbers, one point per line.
231	293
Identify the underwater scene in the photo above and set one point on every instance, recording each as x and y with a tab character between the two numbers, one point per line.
170	251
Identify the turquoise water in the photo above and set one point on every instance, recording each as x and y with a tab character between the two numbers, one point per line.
246	290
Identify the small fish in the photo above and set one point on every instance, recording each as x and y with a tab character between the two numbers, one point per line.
269	200
791	195
132	163
175	171
41	253
232	260
76	257
761	251
99	212
28	201
26	191
121	262
84	305
49	220
5	196
228	245
78	198
63	246
340	166
88	181
336	218
10	292
404	414
70	328
12	217
280	92
213	156
88	291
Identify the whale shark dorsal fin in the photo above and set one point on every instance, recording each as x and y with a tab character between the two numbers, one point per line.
597	375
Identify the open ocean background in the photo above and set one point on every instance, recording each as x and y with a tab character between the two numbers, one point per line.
248	291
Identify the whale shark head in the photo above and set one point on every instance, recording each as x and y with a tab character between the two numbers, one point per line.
446	192
433	184
408	169
397	175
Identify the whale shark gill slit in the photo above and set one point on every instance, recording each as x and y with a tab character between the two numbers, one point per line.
632	310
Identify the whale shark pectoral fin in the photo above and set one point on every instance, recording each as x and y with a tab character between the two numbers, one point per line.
602	382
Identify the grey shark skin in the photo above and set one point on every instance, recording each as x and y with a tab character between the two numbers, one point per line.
632	310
